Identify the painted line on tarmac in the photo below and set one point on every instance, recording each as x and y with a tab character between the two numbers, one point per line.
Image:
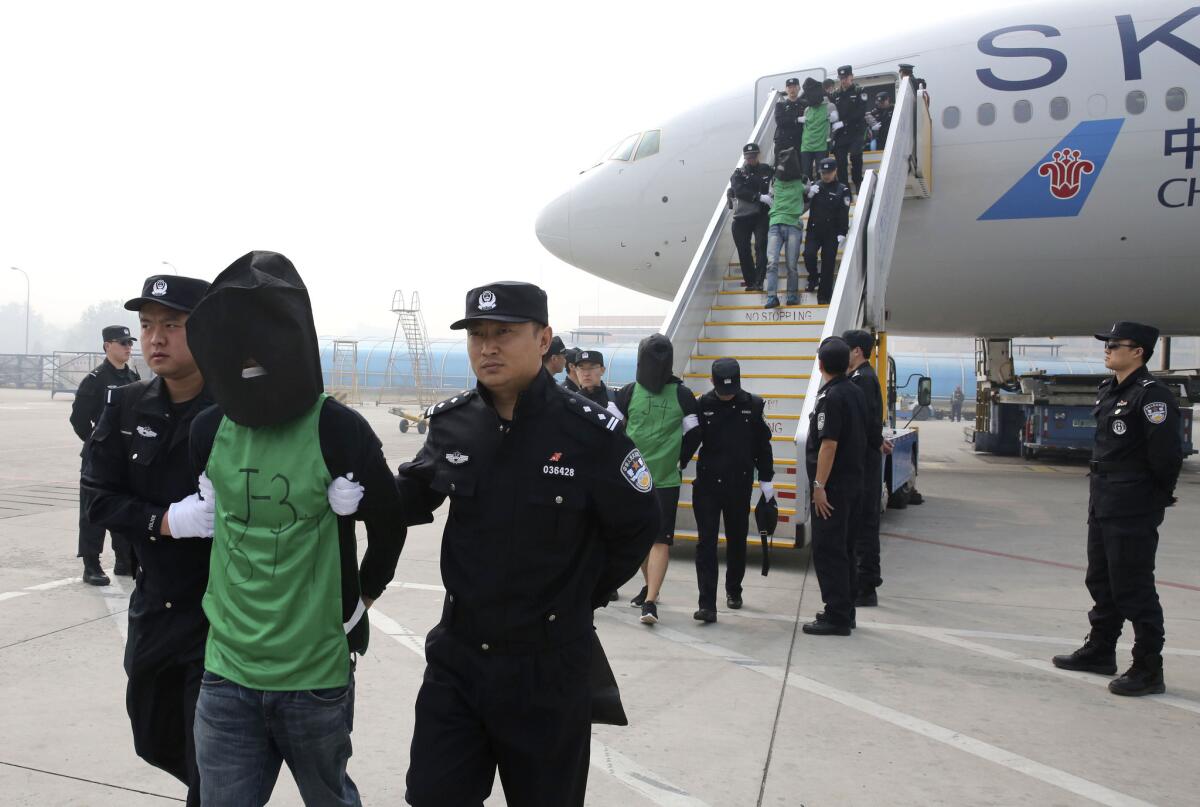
12	595
954	739
90	781
649	784
1025	558
117	603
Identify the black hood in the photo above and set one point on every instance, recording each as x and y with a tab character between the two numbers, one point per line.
257	312
787	164
814	93
655	356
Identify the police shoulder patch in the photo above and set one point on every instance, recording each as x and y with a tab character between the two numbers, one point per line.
636	472
1155	412
592	413
450	403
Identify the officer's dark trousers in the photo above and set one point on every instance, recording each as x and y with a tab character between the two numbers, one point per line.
712	499
866	526
91	537
1120	578
833	553
851	151
528	714
161	702
753	261
826	243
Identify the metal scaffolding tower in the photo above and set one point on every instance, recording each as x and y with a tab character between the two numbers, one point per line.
343	380
410	321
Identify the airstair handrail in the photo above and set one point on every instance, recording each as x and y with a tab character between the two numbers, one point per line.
685	321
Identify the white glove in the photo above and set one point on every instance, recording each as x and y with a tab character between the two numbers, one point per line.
877	127
193	517
841	238
766	199
767	488
833	114
614	411
838	125
800	119
344	494
813	190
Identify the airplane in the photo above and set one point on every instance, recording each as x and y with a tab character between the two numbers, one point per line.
1065	159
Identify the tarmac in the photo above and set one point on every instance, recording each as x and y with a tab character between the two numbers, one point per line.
943	696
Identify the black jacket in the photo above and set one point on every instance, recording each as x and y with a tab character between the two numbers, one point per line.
93	389
1138	449
829	209
840	415
884	118
788	129
598	395
736	440
866	380
750	182
548	513
852	109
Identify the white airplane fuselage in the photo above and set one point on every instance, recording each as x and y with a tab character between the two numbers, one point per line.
1004	246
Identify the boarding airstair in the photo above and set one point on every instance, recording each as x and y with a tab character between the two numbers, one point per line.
714	316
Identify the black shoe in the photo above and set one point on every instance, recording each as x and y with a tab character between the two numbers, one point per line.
639	599
1095	656
733	601
867	598
703	615
821	618
614	595
1145	677
821	627
649	613
123	566
93	575
915	497
810	289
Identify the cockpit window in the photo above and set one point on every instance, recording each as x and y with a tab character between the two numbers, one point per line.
649	145
624	149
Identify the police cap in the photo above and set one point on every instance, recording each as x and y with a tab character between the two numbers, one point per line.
883	96
593	356
1136	332
505	301
173	291
845	70
750	148
118	333
827	164
906	68
572	354
834	354
726	375
556	347
792	82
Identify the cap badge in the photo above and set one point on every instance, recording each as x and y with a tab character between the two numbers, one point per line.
487	301
159	288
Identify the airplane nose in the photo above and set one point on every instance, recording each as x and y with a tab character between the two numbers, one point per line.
553	227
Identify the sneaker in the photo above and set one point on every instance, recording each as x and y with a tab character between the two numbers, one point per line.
1145	677
638	599
793	300
867	598
649	613
706	615
1096	656
772	302
733	601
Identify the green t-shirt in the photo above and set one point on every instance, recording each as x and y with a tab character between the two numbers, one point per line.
816	128
789	201
655	425
274	589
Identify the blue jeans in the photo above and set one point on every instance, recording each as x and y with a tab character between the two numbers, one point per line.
779	237
243	736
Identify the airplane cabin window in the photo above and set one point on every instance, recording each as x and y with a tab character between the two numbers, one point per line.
624	149
986	114
950	117
649	144
1176	98
1059	108
1135	102
1022	111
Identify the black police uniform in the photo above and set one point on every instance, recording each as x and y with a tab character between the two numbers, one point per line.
748	183
883	117
549	513
866	526
600	393
839	414
135	466
788	129
1136	460
849	139
736	441
85	414
828	217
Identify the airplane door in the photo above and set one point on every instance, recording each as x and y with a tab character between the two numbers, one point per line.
774	83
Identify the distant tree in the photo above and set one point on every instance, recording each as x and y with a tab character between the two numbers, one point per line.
12	330
85	334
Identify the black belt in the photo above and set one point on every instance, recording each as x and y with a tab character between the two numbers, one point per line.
1107	467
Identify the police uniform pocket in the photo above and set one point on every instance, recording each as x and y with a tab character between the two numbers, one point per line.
144	449
453	482
554	509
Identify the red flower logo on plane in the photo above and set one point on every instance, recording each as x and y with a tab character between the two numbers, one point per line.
1066	170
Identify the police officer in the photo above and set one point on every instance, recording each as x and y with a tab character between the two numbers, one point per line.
589	369
866	524
750	194
828	223
570	356
834	458
1136	460
115	371
849	133
138	479
736	442
551	508
881	118
789	112
555	360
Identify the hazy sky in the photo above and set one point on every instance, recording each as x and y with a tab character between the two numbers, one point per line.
381	146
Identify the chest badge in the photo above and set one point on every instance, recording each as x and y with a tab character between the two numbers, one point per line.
556	456
1155	412
146	431
456	458
1119	427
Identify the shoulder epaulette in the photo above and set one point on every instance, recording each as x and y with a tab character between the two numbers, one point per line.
1149	382
450	403
592	412
112	397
